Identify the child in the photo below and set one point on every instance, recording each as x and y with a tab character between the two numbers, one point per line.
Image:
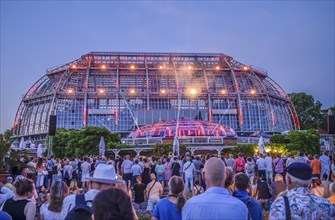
74	189
197	189
42	195
139	188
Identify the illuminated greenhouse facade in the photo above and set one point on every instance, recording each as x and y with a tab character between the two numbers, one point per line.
124	91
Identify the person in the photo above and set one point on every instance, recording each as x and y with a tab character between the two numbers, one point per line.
331	199
230	161
104	177
112	204
171	206
289	160
73	188
188	170
146	171
175	167
300	158
197	189
242	186
325	164
67	172
5	216
229	182
278	165
261	165
300	203
19	207
9	183
52	209
167	171
136	171
316	167
239	163
6	193
159	169
215	202
263	193
249	169
153	193
126	170
197	164
268	167
278	186
40	168
139	189
331	184
318	188
85	172
51	162
326	185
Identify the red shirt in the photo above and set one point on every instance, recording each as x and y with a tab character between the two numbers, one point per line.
316	166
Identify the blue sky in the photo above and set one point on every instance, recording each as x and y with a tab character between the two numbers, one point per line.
293	41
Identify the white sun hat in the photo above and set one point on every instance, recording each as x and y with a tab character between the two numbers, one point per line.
104	173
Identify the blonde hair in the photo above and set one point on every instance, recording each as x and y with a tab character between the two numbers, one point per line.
279	178
73	185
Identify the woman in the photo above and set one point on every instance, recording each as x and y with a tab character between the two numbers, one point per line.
318	190
19	207
52	210
146	172
278	186
171	206
73	188
159	169
112	204
167	171
249	169
67	172
40	168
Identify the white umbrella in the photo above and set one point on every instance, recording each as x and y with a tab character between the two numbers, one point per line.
102	146
39	151
32	146
22	143
261	146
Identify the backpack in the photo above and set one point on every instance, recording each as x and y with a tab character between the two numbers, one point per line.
66	175
198	190
81	211
54	169
249	168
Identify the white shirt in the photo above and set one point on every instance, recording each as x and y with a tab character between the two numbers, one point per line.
260	163
189	169
268	163
85	167
154	192
49	215
70	202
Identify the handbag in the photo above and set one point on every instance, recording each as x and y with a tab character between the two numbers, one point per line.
45	172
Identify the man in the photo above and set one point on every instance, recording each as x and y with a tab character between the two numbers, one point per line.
261	165
104	177
175	167
242	186
325	164
215	202
85	173
301	204
188	170
5	194
126	170
50	164
136	171
300	158
316	167
289	160
197	164
153	193
268	167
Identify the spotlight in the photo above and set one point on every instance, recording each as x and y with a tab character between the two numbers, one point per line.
163	91
132	91
193	91
223	92
74	66
70	90
103	66
161	67
245	68
253	91
189	67
217	68
101	91
132	67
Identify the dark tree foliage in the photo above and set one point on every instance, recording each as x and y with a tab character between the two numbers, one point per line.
308	110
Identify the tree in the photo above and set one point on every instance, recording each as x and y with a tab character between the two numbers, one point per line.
308	110
161	149
304	141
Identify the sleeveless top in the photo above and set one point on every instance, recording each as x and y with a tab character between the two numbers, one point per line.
15	208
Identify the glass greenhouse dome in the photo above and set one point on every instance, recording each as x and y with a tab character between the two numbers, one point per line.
124	91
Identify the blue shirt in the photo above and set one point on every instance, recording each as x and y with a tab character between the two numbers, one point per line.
165	209
136	170
214	203
255	209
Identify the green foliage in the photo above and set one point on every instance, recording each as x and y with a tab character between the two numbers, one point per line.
304	141
69	143
161	149
279	139
308	110
247	150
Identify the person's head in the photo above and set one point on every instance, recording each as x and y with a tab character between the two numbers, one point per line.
112	204
260	155
159	161
139	179
39	162
263	178
196	182
127	157
136	161
73	184
242	181
298	175
214	172
325	176
229	177
24	187
318	182
153	177
249	159
41	189
176	187
175	159
316	156
58	192
279	178
104	177
145	160
85	159
9	179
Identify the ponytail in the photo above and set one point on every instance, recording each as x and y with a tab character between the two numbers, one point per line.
180	201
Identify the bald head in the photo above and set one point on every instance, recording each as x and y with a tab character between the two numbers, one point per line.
214	172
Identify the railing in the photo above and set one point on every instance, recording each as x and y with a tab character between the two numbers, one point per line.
142	141
251	140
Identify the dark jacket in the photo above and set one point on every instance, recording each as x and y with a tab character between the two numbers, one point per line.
254	208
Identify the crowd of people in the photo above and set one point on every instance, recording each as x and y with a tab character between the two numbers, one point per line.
172	187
